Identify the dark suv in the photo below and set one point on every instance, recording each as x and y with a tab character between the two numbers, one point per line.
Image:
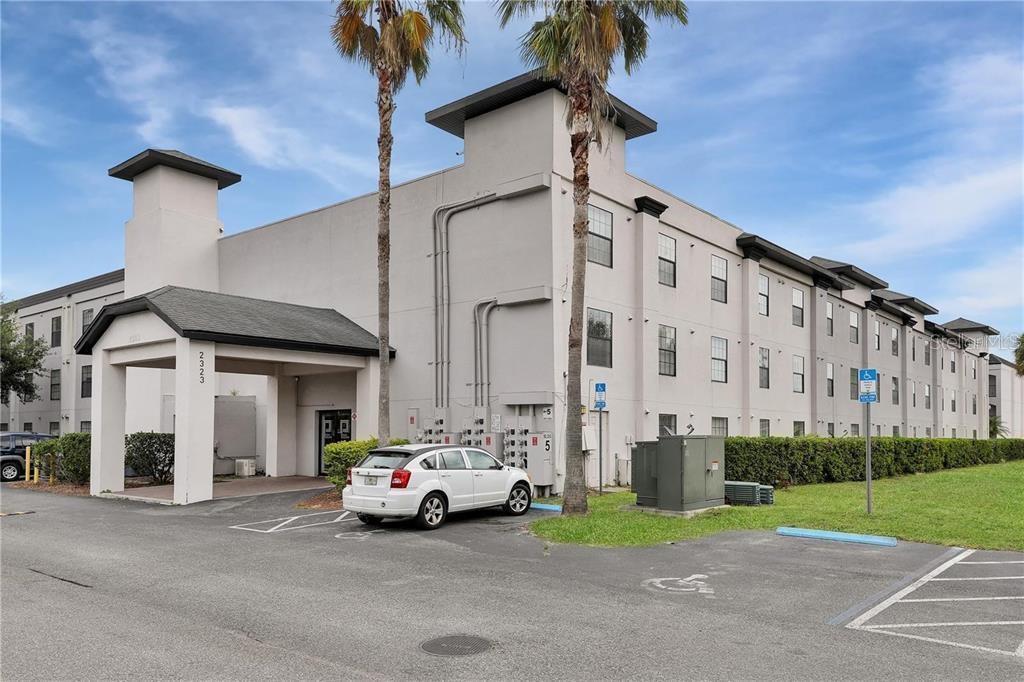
12	452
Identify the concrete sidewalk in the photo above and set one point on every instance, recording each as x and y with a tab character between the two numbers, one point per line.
238	487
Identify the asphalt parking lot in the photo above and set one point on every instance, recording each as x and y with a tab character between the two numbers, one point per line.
253	588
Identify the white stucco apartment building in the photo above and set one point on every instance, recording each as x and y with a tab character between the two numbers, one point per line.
692	322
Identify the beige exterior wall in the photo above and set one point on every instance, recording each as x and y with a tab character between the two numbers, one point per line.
327	257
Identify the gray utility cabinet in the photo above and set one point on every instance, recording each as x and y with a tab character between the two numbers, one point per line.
645	473
680	473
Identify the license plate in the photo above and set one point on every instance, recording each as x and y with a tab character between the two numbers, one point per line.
371	480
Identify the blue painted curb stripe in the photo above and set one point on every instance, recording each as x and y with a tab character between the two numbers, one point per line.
840	537
546	507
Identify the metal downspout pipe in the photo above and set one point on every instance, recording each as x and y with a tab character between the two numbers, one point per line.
442	318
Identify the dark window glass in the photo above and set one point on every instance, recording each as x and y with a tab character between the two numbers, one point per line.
55	332
763	302
666	425
599	237
765	427
599	338
666	260
452	459
798	308
86	318
54	384
478	459
666	350
87	381
719	360
719	279
764	368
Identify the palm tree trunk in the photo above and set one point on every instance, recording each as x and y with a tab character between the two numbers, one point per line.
385	140
574	496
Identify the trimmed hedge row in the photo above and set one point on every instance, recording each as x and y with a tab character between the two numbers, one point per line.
341	456
786	461
69	456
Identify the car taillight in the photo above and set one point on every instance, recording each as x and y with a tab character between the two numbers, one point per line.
400	478
348	477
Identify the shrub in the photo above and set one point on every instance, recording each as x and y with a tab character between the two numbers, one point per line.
812	459
44	456
150	454
75	458
341	456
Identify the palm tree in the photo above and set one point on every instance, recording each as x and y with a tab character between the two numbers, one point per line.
1018	354
391	38
576	43
996	427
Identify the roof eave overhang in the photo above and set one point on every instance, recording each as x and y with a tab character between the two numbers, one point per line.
452	117
756	247
139	304
150	158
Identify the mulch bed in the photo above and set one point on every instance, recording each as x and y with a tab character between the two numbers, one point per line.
327	500
72	489
56	488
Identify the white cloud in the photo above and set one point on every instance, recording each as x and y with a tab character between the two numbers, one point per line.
925	214
972	179
992	287
138	70
26	122
273	145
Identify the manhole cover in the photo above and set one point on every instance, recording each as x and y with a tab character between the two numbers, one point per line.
456	645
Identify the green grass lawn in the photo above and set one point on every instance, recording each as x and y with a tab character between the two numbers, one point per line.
981	507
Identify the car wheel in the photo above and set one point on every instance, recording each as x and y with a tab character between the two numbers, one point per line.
369	520
433	511
518	502
10	472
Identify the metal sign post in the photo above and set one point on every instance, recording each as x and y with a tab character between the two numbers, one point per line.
868	379
600	390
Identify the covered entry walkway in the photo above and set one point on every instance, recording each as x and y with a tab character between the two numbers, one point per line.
199	333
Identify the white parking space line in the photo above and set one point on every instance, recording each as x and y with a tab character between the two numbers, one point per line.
896	629
960	645
980	563
942	625
994	577
283	523
886	603
917	601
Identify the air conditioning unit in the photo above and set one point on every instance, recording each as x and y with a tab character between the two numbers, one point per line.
743	492
245	468
766	494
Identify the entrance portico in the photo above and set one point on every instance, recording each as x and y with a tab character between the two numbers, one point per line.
199	333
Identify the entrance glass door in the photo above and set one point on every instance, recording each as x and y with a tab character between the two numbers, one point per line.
332	426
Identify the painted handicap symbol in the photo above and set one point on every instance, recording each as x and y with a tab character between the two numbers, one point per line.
695	583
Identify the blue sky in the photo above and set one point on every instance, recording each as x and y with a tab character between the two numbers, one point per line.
885	134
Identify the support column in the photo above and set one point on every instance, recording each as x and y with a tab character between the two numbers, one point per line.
649	398
108	405
367	388
193	424
281	436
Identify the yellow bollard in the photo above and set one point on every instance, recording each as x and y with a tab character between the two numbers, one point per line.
35	474
53	467
28	463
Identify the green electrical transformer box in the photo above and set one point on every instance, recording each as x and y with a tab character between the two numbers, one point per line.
680	473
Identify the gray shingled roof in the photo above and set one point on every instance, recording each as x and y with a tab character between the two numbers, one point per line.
962	324
67	290
224	318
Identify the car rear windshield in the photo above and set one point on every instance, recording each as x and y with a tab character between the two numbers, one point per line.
385	460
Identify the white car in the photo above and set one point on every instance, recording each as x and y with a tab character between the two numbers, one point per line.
426	482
